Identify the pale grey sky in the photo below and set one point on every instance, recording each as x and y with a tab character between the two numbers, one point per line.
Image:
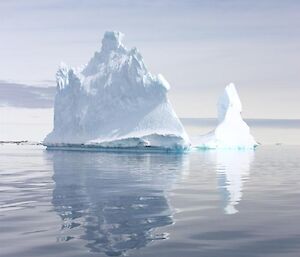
199	46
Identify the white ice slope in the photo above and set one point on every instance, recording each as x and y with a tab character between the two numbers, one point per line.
232	132
114	101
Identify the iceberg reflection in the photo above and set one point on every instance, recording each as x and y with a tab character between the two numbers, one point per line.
232	170
113	201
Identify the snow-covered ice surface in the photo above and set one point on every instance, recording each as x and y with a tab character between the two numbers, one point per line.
232	132
114	102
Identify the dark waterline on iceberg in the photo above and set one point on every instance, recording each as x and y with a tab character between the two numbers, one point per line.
97	148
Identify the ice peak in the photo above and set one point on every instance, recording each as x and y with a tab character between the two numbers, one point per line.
229	99
115	101
112	40
232	132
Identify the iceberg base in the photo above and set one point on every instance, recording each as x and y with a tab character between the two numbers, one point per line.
98	148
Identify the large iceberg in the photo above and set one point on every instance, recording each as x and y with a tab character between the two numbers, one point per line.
114	102
232	132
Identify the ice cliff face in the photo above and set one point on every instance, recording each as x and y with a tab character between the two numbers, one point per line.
114	101
232	131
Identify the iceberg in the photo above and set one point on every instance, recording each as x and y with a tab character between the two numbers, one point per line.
232	131
114	102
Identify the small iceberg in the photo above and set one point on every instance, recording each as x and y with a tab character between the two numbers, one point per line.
114	103
232	132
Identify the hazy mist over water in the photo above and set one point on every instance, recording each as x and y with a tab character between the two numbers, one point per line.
26	114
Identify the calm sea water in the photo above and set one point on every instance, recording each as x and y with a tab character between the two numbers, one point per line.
207	203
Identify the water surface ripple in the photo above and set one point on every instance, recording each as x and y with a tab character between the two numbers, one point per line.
209	203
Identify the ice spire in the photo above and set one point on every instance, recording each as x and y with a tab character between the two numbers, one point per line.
112	40
229	100
232	131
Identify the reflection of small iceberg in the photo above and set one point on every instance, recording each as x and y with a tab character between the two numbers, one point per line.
113	201
232	170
